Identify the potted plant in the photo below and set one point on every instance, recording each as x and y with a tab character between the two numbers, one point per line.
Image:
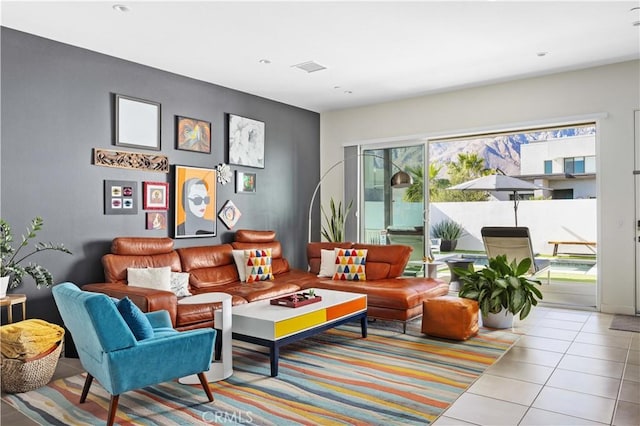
501	289
334	229
448	231
11	268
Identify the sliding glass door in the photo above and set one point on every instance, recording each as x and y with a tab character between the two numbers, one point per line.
394	215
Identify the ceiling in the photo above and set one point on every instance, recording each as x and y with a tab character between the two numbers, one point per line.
373	51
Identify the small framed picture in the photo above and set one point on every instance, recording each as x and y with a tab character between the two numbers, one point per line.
156	220
137	123
193	135
245	182
120	197
156	196
229	214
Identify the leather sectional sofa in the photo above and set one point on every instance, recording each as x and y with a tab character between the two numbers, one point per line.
212	268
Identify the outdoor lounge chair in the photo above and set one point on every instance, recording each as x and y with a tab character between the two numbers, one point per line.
515	243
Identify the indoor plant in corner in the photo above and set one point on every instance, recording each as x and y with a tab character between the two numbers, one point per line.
334	230
11	268
448	231
501	289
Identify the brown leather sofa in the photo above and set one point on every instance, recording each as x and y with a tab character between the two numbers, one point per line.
212	268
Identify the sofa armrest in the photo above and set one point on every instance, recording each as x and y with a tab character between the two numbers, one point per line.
147	299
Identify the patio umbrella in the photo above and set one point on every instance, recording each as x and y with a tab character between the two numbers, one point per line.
498	183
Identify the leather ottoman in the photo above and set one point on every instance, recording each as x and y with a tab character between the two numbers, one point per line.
450	317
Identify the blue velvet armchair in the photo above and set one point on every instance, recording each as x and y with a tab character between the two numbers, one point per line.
110	352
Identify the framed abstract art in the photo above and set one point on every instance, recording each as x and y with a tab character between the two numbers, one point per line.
246	141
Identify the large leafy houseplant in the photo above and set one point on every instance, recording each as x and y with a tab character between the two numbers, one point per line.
12	258
333	229
501	285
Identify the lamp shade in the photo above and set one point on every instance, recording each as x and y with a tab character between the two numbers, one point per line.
401	180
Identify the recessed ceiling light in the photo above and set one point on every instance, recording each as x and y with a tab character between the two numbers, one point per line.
264	61
541	54
636	24
336	87
348	92
121	8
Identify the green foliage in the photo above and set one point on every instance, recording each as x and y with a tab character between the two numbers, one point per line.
468	167
499	285
414	193
10	263
447	230
334	229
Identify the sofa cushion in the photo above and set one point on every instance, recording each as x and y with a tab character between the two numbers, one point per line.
257	264
350	264
180	284
314	253
157	278
135	319
385	261
327	263
238	258
209	266
279	264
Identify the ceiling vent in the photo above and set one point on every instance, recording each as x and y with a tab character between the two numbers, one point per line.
310	66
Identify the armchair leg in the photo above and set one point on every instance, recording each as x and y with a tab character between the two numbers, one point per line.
205	385
113	407
85	389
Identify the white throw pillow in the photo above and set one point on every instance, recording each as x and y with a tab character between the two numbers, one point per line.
157	278
180	284
327	263
238	258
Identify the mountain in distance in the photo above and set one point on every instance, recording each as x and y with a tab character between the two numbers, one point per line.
499	151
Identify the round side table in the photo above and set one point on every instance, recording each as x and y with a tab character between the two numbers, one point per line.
222	322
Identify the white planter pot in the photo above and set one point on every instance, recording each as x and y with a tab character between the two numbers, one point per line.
503	319
4	283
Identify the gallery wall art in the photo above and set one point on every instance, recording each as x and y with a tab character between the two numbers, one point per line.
246	141
195	202
120	197
193	135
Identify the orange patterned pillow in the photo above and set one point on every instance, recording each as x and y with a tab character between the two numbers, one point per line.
350	264
257	264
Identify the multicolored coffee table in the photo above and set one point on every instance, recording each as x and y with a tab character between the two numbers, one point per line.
274	326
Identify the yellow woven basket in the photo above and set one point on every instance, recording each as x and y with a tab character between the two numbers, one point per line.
19	376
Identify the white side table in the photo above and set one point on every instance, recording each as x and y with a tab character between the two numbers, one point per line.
431	269
222	369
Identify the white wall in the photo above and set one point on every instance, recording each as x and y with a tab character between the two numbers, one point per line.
613	90
547	220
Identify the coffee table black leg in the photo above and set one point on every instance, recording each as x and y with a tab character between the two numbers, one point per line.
363	326
273	357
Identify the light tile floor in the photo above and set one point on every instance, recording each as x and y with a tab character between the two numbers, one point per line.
567	369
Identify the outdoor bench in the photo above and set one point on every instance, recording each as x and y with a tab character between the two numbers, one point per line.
575	243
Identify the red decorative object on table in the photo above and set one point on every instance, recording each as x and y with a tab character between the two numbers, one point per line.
296	300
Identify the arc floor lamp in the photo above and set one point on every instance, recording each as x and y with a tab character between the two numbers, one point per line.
401	179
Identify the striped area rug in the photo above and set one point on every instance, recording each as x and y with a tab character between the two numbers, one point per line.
334	378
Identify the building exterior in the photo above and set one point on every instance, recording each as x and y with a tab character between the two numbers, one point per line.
567	166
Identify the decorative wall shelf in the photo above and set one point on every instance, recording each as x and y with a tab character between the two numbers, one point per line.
131	160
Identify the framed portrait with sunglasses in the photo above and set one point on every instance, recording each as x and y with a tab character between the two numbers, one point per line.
195	202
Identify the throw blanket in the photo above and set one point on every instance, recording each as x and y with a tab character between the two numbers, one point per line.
27	339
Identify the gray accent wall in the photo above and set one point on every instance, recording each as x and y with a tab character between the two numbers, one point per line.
58	105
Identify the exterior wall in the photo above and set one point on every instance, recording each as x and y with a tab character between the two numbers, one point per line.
611	93
547	220
533	155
